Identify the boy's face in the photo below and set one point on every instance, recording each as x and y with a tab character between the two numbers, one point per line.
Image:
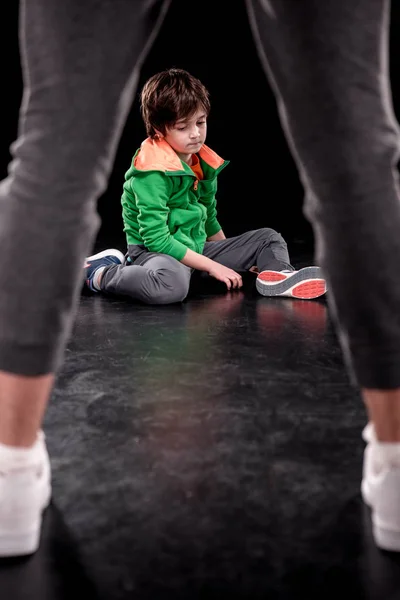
187	136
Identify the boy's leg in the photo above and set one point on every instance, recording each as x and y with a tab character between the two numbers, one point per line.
328	65
264	248
80	66
267	249
152	279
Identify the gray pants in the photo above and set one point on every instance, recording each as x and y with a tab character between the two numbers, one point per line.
160	279
327	62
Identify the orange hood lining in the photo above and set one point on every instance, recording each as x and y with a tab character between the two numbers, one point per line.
157	155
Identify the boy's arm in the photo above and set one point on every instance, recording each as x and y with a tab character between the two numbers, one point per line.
202	263
217	236
197	261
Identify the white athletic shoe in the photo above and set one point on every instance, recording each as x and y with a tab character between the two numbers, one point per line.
380	490
24	494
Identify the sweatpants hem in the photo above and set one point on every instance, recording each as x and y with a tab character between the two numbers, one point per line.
375	374
31	361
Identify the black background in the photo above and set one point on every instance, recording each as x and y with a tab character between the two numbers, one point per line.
213	41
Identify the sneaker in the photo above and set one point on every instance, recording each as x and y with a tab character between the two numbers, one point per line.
380	490
106	258
305	284
24	495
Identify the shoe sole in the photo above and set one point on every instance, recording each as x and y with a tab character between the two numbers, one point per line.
305	284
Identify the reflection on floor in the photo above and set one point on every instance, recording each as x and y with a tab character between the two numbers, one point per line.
205	450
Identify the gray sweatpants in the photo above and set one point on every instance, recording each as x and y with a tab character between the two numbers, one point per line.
161	279
327	61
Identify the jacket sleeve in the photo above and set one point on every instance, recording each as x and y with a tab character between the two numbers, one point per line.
151	192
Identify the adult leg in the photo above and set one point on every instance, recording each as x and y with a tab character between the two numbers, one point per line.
80	72
328	65
81	62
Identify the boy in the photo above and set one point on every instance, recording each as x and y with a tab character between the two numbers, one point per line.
170	217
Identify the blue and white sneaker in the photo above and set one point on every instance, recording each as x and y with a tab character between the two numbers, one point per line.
103	259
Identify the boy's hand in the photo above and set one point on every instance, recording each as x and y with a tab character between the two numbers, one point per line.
232	279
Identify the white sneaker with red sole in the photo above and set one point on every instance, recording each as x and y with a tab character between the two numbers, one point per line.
25	492
305	284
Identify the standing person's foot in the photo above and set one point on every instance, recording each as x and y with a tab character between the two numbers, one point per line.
380	489
25	492
305	284
96	264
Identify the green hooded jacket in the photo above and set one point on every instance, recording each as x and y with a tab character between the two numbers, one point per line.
164	206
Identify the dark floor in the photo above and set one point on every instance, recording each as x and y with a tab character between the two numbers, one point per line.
205	450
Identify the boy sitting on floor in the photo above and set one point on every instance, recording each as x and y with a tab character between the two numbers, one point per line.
170	217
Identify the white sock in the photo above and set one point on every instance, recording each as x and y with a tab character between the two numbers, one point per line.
96	278
15	457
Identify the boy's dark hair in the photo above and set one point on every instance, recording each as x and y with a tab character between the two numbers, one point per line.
170	96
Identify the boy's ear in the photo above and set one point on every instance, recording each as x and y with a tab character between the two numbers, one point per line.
159	135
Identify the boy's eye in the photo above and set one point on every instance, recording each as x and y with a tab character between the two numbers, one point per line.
183	127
